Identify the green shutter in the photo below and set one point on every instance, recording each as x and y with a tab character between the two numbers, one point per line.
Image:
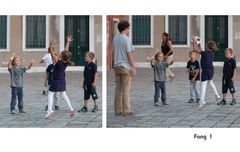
35	31
177	26
141	30
3	32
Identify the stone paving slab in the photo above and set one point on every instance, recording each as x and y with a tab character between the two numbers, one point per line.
179	113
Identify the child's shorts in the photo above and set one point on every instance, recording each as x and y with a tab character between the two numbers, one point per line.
227	84
89	90
207	74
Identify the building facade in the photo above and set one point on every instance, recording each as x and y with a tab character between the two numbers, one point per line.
146	34
29	37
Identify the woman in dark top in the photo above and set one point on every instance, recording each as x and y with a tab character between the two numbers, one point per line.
58	84
167	51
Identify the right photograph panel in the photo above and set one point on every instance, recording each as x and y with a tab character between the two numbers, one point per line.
172	71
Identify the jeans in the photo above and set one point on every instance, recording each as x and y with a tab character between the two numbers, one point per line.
195	89
122	90
160	85
17	92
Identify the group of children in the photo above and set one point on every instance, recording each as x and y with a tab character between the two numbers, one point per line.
55	79
194	69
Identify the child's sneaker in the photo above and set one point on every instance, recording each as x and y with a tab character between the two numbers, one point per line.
46	108
22	111
156	104
83	109
57	108
95	108
71	113
201	104
198	100
223	102
13	111
191	101
233	102
47	116
165	103
218	98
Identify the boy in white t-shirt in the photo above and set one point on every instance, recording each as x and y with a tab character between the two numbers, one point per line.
47	59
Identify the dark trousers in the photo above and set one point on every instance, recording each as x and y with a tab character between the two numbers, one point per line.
160	85
17	93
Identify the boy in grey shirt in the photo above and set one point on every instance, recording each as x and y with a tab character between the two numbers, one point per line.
16	74
159	67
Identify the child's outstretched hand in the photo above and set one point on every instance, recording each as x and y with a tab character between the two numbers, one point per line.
233	79
32	61
69	38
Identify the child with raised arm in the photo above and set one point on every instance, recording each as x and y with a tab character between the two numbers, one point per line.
58	83
229	76
16	74
90	82
160	68
193	68
207	69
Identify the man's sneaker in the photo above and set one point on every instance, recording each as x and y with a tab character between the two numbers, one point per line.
46	108
129	114
156	104
191	101
233	102
83	109
13	111
201	104
71	113
223	102
48	115
95	108
22	111
56	107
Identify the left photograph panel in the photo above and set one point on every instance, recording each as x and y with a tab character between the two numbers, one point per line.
50	71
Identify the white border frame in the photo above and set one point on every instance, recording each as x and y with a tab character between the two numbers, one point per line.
91	33
188	32
152	37
24	49
8	36
230	31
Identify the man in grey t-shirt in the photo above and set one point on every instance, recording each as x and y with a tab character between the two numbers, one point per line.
124	66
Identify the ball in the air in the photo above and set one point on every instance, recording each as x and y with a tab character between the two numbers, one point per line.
196	39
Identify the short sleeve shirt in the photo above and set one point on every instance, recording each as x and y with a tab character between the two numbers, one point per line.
47	59
228	68
192	66
207	60
90	70
159	69
16	75
122	45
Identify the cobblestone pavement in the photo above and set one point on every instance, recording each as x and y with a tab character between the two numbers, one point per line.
179	113
35	102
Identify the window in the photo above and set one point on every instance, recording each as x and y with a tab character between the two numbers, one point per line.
178	29
3	32
141	30
35	32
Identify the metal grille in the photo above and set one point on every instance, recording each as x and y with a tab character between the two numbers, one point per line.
141	30
3	32
35	31
177	26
